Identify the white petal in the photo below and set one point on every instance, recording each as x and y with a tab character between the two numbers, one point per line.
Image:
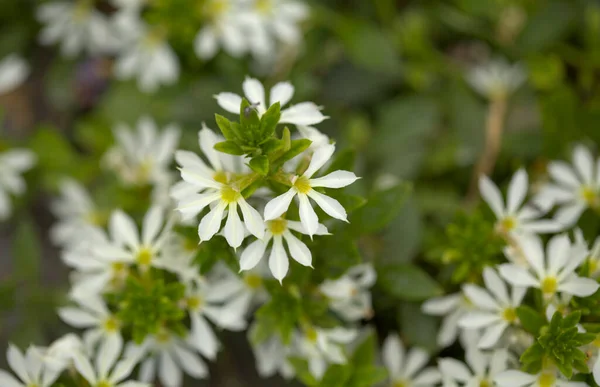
514	378
454	369
578	286
108	353
169	373
557	252
206	44
492	334
305	113
543	226
328	204
495	285
278	260
282	93
84	367
211	222
13	71
477	360
308	216
123	229
191	363
192	205
429	376
498	362
230	102
277	206
569	214
563	174
393	355
203	338
517	276
77	318
17	363
517	190
477	320
153	222
298	250
584	164
439	306
7	380
255	92
337	179
252	219
534	253
491	194
319	158
252	255
234	228
415	361
207	139
596	370
480	297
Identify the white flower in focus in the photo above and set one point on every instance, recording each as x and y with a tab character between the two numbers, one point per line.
303	187
279	230
13	163
453	307
78	26
349	295
166	356
29	369
103	329
514	217
224	26
76	212
482	368
546	378
408	369
494	309
143	156
304	113
13	72
575	188
496	78
552	273
106	371
322	347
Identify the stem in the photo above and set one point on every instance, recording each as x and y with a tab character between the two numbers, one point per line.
493	140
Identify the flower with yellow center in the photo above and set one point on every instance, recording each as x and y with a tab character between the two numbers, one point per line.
303	187
407	368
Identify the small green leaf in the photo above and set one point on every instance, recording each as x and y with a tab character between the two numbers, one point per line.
272	145
269	121
225	125
381	208
296	147
530	319
26	252
571	319
230	148
250	123
302	372
260	165
367	376
365	353
408	282
336	375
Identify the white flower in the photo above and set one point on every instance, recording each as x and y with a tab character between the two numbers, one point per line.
496	78
59	355
224	26
29	369
485	368
76	212
575	188
214	186
322	347
515	218
13	163
104	372
271	358
349	295
143	157
102	327
453	307
553	273
546	378
272	20
304	113
495	310
408	369
178	257
303	187
77	25
279	231
169	356
13	71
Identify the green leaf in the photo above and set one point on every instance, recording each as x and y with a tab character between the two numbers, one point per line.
302	372
272	145
269	121
336	375
531	320
571	319
417	326
381	208
260	165
250	123
366	352
547	26
344	160
27	252
225	125
408	282
213	251
296	147
230	148
367	376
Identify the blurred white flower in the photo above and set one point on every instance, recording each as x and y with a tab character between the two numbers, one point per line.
77	25
408	369
545	378
494	309
59	355
515	217
453	307
106	371
496	78
13	163
302	186
482	370
13	72
322	347
575	188
224	26
304	113
552	273
271	357
349	295
29	368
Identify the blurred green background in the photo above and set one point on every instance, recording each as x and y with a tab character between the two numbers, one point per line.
390	74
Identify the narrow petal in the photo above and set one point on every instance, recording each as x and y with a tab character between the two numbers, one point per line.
278	260
255	92
393	355
558	253
543	226
480	297
563	174
85	369
415	361
277	206
211	222
578	286
495	285
252	219
282	93
7	380
305	113
17	363
123	229
569	214
534	253
230	102
153	222
454	369
440	306
207	139
491	194
328	204
319	158
308	216
122	370
430	376
517	276
298	250
517	190
337	179
234	228
168	371
192	205
584	164
77	318
477	320
191	363
514	378
498	361
492	334
108	353
252	255
203	338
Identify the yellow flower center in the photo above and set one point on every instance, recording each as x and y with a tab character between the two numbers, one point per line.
311	335
593	265
277	226
400	383
596	342
194	302
253	281
264	6
549	285
190	245
485	383
507	224
104	383
230	195
144	169
96	218
163	337
302	185
111	324
144	257
546	380
589	195
220	177
509	315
